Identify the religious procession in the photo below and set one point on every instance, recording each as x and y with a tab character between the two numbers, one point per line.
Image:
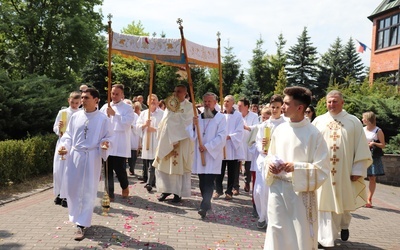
204	168
305	174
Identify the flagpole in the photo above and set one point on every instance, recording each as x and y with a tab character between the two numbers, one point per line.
179	21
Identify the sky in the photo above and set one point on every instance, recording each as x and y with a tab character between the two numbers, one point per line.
242	22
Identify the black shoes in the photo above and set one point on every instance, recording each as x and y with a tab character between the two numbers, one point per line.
202	213
148	187
163	197
60	201
176	199
64	203
57	200
344	234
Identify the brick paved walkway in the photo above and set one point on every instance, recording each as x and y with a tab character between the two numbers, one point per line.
142	222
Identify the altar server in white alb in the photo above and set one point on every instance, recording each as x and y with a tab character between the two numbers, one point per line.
212	128
298	164
349	155
233	151
85	142
250	120
261	190
121	116
149	130
174	154
59	127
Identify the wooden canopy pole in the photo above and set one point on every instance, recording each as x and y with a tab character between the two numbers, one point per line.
105	202
150	93
221	94
110	36
179	21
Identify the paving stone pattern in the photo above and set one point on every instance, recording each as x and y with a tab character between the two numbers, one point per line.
32	221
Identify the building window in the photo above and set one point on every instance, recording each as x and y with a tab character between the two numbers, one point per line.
388	32
390	76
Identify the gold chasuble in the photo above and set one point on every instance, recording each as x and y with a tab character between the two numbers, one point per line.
348	155
174	154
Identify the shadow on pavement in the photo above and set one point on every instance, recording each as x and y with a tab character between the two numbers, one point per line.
109	238
352	245
387	209
7	234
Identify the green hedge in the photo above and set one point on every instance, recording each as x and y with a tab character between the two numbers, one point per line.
21	160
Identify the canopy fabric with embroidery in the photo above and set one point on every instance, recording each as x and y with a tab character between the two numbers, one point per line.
163	50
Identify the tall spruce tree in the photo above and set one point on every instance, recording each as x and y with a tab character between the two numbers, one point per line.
277	61
330	68
230	70
302	63
352	63
259	76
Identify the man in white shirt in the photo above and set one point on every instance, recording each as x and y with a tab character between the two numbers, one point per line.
233	151
149	130
212	128
121	116
298	164
250	120
84	144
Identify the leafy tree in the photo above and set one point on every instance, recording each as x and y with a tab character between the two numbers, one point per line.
95	73
29	106
302	63
281	82
135	29
53	38
381	98
165	81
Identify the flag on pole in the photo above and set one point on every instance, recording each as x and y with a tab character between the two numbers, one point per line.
362	47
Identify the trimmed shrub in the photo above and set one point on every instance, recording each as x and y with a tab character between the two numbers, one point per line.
24	159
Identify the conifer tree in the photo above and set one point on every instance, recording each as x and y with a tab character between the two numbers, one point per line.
230	70
259	76
302	63
277	61
352	63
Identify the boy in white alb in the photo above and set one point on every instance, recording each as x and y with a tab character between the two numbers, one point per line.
261	189
59	127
